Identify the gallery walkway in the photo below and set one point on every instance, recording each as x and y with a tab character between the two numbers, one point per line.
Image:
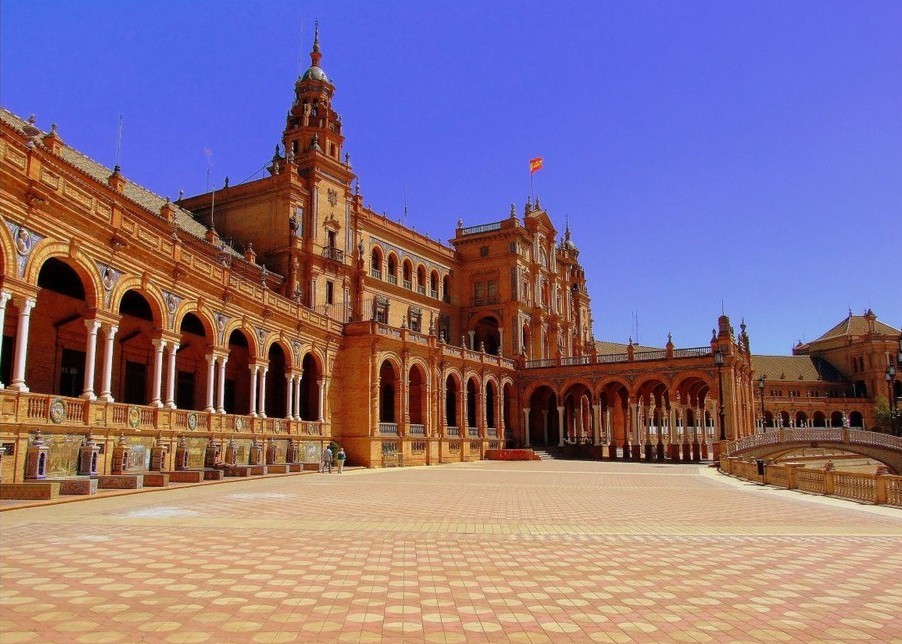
547	551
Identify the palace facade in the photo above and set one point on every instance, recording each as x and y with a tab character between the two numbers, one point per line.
254	324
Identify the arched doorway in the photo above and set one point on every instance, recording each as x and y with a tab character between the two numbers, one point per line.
191	363
451	397
309	403
276	383
856	420
508	410
388	388
472	405
416	400
136	326
544	426
486	335
236	399
490	401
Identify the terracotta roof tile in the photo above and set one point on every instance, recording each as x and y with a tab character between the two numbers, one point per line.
786	368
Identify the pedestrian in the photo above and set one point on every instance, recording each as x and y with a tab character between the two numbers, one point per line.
327	460
340	457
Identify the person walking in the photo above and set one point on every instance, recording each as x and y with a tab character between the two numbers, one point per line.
327	461
340	457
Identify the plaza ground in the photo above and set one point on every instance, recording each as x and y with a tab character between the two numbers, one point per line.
548	551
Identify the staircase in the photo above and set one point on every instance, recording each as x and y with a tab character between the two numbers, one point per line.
544	454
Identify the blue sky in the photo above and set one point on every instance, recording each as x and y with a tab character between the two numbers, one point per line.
744	153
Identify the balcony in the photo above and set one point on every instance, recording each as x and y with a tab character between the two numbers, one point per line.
334	254
75	414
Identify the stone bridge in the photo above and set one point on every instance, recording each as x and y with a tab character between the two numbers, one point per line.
881	447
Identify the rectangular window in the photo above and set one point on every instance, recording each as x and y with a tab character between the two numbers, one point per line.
330	290
478	289
492	288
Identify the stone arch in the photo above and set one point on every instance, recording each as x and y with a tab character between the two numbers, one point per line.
311	375
240	345
856	419
474	400
151	294
490	401
139	318
391	265
421	278
433	283
446	288
7	252
407	272
578	401
486	332
196	337
187	307
80	263
451	382
819	419
543	426
278	359
417	387
236	325
56	361
389	379
377	256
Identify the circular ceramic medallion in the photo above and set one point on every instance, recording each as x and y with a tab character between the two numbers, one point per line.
239	423
277	427
57	410
134	416
192	421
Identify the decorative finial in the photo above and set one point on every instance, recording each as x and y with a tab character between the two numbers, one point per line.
315	54
513	211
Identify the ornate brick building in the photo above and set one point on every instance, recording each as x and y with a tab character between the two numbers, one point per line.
253	324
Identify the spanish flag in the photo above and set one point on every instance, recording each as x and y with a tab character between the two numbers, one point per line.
535	164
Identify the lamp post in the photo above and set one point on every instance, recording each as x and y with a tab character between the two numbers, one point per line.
761	383
890	376
718	360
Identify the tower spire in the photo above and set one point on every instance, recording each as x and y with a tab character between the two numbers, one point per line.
315	54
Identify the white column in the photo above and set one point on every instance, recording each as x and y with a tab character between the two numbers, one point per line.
90	359
159	344
560	426
211	377
21	354
106	376
321	383
608	430
253	405
262	411
220	400
170	376
526	426
597	432
297	396
545	425
4	298
289	394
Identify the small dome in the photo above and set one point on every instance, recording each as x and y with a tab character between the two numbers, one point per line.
315	73
569	245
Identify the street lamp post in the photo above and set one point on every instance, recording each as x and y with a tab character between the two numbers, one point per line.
718	360
761	383
890	376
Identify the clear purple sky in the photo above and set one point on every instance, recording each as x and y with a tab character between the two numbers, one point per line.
744	152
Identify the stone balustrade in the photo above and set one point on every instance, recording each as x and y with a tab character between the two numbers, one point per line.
880	488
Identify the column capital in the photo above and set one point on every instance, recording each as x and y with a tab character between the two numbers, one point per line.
92	325
5	296
25	303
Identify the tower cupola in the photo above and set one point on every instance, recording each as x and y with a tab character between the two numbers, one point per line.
312	127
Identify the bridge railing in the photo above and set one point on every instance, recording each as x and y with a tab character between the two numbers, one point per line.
813	434
879	488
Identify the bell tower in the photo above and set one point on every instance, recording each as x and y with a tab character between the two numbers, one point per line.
312	126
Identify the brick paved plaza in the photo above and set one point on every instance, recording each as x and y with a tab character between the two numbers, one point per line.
550	551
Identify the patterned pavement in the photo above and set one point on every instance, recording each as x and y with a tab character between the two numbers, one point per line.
549	551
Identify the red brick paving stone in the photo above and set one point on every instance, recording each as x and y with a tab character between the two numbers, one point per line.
487	552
